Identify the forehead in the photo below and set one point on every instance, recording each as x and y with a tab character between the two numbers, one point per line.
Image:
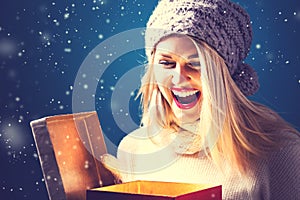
181	46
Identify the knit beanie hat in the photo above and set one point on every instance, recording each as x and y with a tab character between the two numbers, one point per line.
222	24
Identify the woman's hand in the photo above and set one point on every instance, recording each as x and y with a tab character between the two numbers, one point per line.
112	164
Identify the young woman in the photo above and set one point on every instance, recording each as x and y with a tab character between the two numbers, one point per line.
198	125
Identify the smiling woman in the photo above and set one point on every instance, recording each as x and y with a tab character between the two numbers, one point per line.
177	73
198	126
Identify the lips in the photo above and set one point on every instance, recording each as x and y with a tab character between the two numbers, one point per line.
185	98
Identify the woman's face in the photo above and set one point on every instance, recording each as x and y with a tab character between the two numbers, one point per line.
177	72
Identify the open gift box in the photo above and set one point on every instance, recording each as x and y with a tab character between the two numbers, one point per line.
152	190
69	148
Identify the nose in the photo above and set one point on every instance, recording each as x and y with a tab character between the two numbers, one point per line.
180	74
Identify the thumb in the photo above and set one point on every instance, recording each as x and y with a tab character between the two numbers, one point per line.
112	164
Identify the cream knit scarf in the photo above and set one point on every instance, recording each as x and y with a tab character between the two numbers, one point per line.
188	139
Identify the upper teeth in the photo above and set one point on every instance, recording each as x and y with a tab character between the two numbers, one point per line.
184	93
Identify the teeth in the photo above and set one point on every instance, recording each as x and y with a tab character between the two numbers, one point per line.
184	94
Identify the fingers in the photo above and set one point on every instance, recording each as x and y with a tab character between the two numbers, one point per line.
112	164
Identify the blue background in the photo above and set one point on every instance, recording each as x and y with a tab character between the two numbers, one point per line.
42	46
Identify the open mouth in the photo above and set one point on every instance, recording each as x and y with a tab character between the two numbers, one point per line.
186	98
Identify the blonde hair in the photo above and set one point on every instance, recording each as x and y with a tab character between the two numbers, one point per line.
233	127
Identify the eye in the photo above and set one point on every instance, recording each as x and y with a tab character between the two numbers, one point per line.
167	63
194	65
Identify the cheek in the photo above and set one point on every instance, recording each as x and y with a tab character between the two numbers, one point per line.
196	77
162	76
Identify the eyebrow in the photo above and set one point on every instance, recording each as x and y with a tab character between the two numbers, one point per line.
189	57
193	56
165	55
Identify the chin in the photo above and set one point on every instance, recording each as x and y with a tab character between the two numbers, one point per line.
186	115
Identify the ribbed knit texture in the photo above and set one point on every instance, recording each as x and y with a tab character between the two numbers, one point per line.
275	177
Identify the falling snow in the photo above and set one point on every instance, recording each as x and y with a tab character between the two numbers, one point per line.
43	44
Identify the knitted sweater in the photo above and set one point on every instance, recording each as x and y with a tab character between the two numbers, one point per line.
274	177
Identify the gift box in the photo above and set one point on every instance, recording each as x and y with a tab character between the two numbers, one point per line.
152	190
69	148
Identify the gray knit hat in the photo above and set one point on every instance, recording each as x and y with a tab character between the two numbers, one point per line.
222	24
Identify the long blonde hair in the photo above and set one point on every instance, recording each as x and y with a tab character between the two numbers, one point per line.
233	127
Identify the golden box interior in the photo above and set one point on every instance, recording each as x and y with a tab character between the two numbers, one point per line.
152	189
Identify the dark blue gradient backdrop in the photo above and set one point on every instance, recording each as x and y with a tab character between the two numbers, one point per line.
43	44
